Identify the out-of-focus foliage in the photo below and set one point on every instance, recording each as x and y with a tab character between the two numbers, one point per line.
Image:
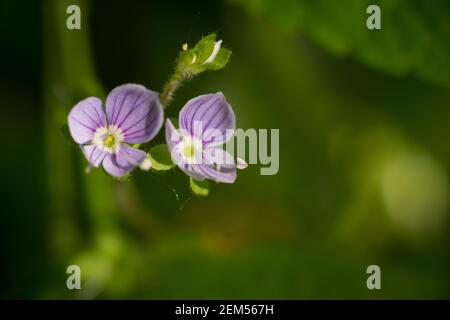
414	38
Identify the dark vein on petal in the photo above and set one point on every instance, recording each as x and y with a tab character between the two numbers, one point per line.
99	115
130	136
218	125
84	125
143	118
92	152
206	111
121	104
133	108
100	153
199	107
90	118
213	117
113	108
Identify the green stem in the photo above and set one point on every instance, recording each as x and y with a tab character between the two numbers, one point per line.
170	87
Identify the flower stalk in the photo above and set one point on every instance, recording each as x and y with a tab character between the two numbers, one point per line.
170	87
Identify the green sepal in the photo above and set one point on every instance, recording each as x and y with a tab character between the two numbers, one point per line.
220	61
192	61
205	47
200	188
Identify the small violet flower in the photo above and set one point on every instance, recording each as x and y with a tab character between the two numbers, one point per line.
134	115
206	122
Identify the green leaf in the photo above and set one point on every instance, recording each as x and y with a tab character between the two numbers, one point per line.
160	157
200	188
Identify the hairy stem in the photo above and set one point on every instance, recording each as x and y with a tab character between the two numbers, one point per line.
170	87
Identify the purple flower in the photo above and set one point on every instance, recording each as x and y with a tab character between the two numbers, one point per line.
133	115
206	123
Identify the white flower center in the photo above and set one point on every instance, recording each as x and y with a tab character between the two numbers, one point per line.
108	139
190	149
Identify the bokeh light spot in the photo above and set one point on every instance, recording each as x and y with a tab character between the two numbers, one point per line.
415	192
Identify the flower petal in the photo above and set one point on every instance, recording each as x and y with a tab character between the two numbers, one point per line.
218	156
213	113
85	118
241	163
225	175
193	171
173	137
190	168
119	164
136	110
93	154
218	165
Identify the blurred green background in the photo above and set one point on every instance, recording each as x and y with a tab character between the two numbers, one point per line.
364	153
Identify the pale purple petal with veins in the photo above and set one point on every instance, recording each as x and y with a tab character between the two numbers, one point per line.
211	171
124	161
217	121
225	175
193	171
85	118
189	167
218	165
214	114
136	110
173	137
93	154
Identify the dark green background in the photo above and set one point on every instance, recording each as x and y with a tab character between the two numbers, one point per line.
364	153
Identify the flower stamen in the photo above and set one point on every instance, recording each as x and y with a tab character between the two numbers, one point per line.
189	151
108	139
